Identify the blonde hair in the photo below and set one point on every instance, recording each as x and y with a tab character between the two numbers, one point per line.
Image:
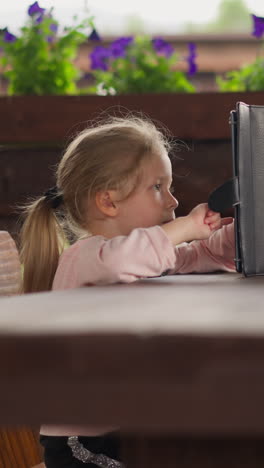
106	156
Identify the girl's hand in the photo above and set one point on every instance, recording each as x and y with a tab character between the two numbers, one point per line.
199	224
215	221
205	221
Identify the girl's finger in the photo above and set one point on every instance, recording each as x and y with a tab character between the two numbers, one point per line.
210	213
212	219
216	225
225	221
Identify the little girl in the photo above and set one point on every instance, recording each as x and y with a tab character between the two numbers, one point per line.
114	194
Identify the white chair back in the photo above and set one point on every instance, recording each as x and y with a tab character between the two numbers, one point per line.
10	268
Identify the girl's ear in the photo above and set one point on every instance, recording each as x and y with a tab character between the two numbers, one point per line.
106	202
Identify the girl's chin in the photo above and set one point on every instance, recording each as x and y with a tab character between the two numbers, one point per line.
167	221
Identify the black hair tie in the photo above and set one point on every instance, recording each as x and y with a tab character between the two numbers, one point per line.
52	196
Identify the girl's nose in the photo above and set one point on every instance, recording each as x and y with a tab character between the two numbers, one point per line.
173	202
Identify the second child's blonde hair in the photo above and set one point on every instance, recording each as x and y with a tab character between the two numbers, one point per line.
108	156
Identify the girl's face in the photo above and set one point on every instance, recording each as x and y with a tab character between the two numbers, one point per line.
152	202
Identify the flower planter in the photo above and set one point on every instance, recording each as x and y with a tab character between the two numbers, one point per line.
34	129
46	119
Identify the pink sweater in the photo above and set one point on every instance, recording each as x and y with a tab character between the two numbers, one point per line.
144	253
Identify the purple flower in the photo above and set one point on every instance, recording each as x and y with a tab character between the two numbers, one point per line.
118	47
39	19
191	59
36	12
99	58
124	40
8	37
162	47
53	27
258	23
50	39
117	50
94	36
35	9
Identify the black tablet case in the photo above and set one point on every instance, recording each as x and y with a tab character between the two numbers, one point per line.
246	190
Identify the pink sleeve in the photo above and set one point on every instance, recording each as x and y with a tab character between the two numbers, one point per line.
95	260
143	253
214	254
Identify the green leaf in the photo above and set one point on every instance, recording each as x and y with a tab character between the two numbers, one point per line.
142	70
33	65
248	78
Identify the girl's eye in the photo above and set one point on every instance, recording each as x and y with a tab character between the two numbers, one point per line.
157	187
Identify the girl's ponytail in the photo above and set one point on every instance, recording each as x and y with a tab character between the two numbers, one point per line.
42	239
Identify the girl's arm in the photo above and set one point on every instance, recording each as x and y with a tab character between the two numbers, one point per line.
145	252
213	254
95	260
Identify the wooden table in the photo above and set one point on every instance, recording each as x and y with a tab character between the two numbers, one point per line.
176	362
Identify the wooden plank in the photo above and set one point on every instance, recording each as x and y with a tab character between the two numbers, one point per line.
38	119
178	355
192	452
